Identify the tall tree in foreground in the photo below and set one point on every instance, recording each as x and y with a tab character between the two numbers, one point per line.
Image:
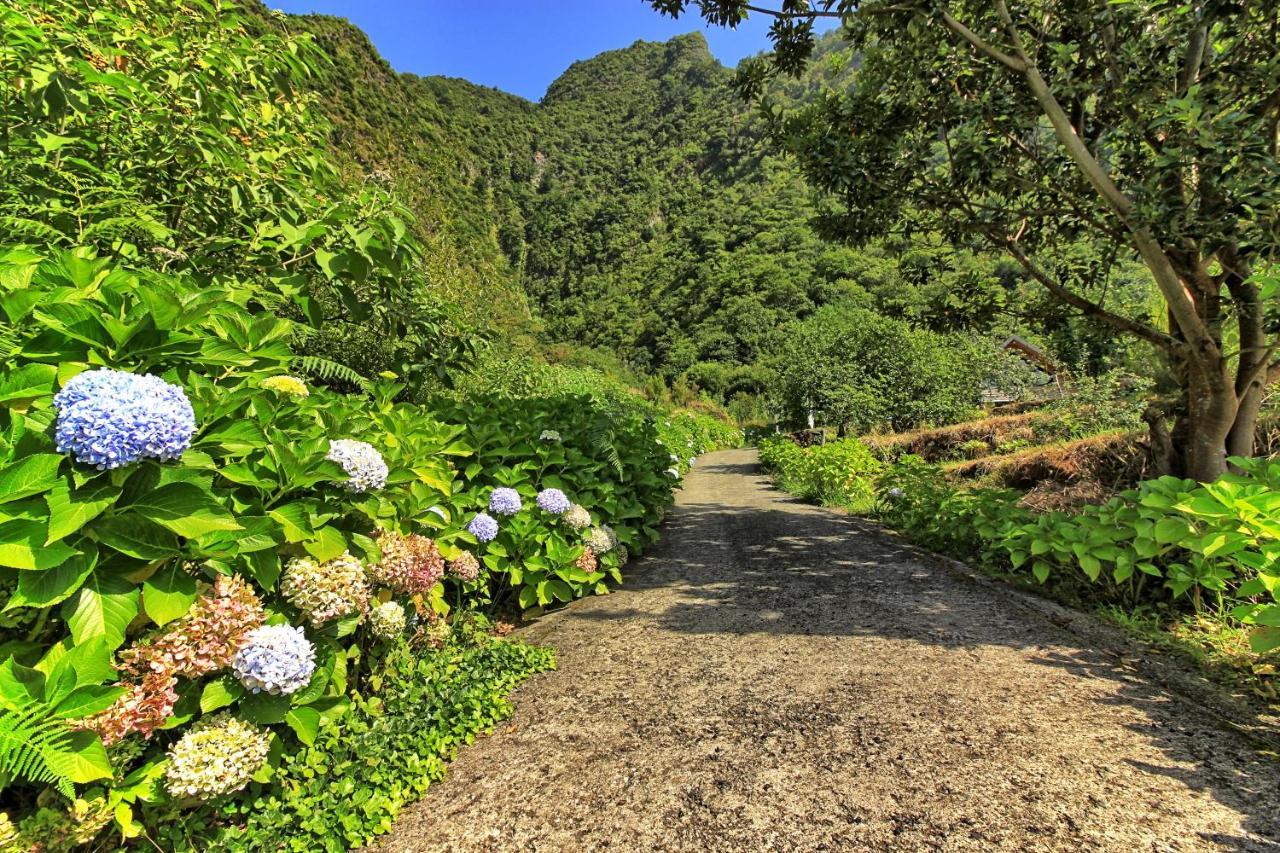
1144	128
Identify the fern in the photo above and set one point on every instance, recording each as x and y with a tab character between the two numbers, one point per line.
27	737
602	442
327	370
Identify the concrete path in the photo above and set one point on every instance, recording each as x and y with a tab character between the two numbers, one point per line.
776	676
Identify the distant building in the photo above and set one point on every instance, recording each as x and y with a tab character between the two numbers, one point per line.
1048	380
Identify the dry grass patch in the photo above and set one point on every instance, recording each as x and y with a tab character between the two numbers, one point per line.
944	443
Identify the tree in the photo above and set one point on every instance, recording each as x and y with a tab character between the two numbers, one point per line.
1143	128
857	370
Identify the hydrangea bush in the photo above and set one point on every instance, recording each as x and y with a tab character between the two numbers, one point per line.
188	497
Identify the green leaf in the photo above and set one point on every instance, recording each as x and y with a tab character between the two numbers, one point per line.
71	510
82	758
328	544
104	607
47	587
186	509
22	546
1171	530
135	536
29	476
1264	639
220	694
32	380
169	593
305	722
87	700
264	708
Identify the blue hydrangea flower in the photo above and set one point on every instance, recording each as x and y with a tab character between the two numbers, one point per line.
483	527
276	659
505	502
553	501
110	418
362	462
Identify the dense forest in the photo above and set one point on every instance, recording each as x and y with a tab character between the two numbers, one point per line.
638	211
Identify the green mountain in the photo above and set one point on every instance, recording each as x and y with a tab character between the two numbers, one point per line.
635	210
632	209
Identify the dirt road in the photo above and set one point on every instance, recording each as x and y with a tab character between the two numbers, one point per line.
776	676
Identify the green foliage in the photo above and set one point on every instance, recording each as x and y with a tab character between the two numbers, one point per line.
1213	545
28	736
347	786
838	473
857	370
1042	145
269	263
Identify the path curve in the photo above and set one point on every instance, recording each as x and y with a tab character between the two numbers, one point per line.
776	676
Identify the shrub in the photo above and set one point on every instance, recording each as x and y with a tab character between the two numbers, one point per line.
1203	546
838	473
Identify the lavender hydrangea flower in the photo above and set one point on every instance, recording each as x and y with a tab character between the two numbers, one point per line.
110	418
276	659
553	501
483	527
505	502
362	462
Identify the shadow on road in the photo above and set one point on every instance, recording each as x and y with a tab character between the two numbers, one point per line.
770	564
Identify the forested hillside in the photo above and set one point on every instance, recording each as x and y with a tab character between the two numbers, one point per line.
637	210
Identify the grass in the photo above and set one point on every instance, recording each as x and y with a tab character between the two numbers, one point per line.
1221	650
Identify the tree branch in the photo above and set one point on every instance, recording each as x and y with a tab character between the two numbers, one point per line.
1010	62
1093	309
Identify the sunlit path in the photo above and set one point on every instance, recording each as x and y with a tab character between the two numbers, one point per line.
778	676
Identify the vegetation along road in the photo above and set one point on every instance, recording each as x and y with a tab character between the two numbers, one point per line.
779	676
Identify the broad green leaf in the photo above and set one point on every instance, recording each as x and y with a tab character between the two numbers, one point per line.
47	587
71	510
186	509
31	380
137	537
22	546
86	701
220	693
29	476
104	607
83	759
305	723
169	593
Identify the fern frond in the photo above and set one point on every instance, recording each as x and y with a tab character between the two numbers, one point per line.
602	441
27	736
327	370
21	226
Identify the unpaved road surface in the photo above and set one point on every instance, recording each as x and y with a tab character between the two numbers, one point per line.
776	676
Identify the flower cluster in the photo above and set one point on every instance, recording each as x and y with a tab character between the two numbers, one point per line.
465	567
505	502
362	462
623	555
143	708
410	564
205	639
601	539
576	517
216	756
283	384
553	501
326	591
387	620
549	435
276	659
673	473
483	527
202	641
587	561
110	418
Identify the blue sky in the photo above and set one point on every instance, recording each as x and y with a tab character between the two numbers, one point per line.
519	46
